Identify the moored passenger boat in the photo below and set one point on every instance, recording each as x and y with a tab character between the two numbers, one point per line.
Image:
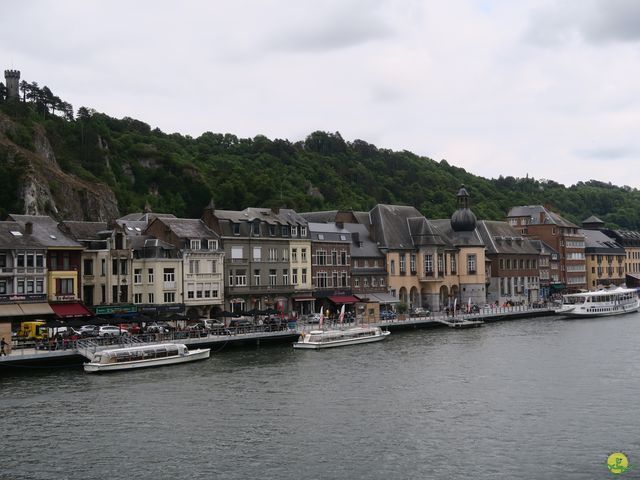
600	303
338	338
144	356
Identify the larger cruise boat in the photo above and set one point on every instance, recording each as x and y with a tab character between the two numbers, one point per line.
144	356
600	303
338	338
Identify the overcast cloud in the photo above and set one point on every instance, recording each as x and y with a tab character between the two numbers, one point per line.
537	87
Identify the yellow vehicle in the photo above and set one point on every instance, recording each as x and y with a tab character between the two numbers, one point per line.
33	330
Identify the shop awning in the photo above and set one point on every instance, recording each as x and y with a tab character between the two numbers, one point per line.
66	310
10	310
344	299
384	298
36	309
304	299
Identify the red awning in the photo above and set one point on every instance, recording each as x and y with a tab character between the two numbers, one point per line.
347	299
66	310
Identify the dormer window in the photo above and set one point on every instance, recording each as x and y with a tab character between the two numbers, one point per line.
195	244
213	244
321	236
285	231
255	228
294	231
236	228
303	231
272	230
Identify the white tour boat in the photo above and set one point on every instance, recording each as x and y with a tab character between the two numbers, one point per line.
600	303
337	338
144	356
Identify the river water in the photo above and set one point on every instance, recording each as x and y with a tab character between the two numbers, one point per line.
529	399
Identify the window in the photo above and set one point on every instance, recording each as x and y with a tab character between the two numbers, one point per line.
285	254
322	280
255	229
471	263
366	282
441	264
304	275
321	257
169	275
152	298
88	266
428	264
3	260
303	253
212	244
303	231
285	231
195	245
3	287
103	267
137	276
39	260
403	265
294	231
356	282
334	258
272	230
273	254
294	255
343	258
236	253
334	279
412	262
230	278
20	261
256	277
137	298
194	266
285	277
294	276
236	228
454	266
169	297
150	275
241	278
53	261
20	285
65	262
272	277
381	281
392	267
30	260
257	254
40	286
64	286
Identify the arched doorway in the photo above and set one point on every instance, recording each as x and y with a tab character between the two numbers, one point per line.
414	300
403	296
443	297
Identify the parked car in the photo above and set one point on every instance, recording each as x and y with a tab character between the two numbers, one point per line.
313	318
240	323
420	312
111	331
388	315
156	327
88	330
133	328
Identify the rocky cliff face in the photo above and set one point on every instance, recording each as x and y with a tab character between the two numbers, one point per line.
44	189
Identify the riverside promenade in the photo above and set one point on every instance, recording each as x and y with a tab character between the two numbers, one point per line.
54	354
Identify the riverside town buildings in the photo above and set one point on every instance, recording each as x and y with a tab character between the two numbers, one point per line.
153	266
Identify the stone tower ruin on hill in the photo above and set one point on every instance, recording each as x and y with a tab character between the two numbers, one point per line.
12	82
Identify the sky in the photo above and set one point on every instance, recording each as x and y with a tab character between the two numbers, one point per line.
542	88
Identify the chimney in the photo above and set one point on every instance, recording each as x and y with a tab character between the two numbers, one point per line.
275	210
28	228
340	225
356	238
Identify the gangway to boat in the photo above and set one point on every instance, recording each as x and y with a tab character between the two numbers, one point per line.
459	322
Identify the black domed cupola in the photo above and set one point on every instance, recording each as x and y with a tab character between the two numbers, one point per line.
463	219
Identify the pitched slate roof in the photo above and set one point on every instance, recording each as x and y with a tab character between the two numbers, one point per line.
46	231
542	247
534	211
9	241
364	246
329	231
458	239
86	230
501	238
390	227
189	228
597	242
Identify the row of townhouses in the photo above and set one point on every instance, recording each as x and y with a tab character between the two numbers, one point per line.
153	266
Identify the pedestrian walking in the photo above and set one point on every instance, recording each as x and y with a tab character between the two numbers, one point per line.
3	345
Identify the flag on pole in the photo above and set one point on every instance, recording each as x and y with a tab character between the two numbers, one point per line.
342	314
